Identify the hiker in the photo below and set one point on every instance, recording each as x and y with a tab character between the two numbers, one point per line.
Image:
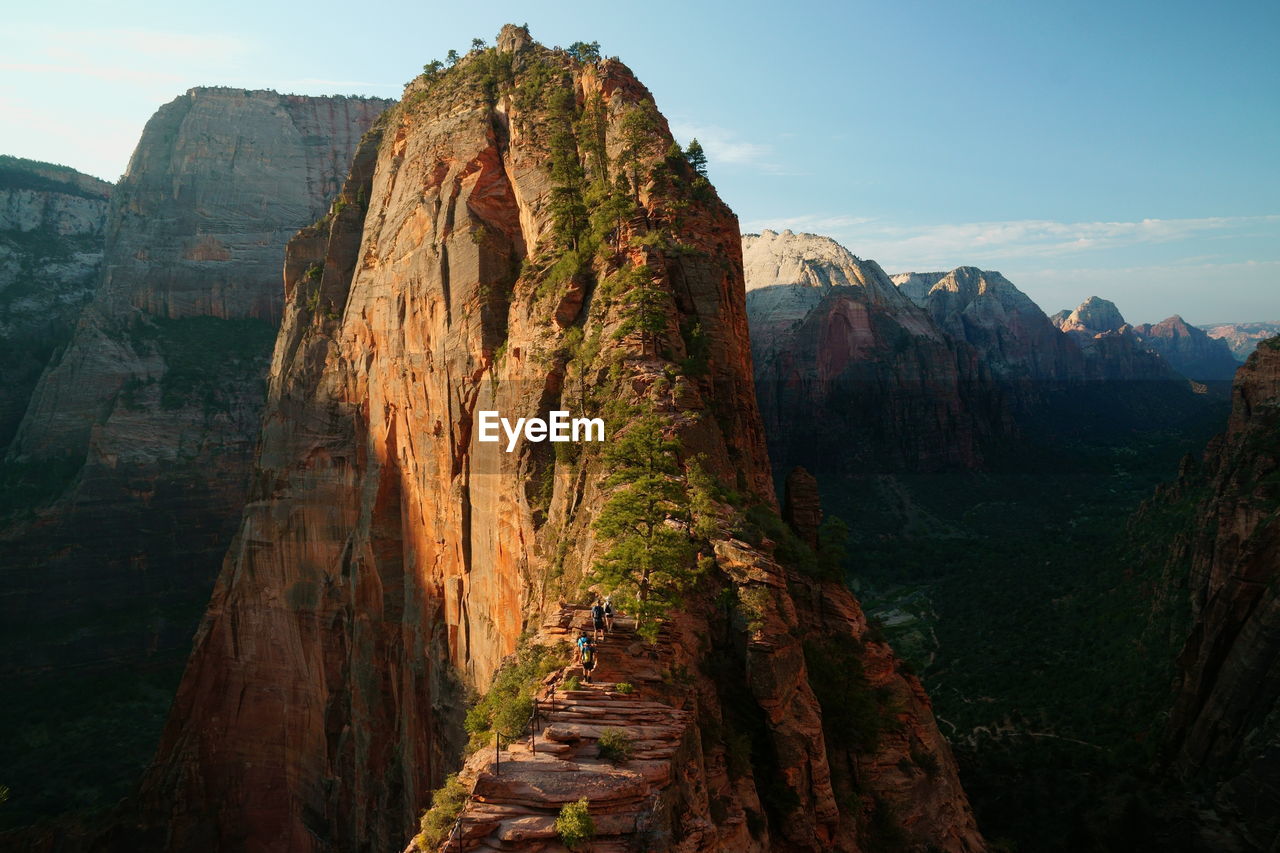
581	646
608	613
589	660
597	621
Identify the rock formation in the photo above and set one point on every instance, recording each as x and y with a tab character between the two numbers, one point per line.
51	230
1243	338
1224	729
518	235
151	413
850	373
1189	350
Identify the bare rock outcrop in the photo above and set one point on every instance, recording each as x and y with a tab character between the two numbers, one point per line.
388	558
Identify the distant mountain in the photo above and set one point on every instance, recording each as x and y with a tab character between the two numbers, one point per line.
1243	338
1191	351
983	308
880	385
1113	349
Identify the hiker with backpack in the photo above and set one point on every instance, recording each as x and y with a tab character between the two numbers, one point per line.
597	621
586	652
608	613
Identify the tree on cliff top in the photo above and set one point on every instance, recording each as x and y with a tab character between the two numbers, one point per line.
697	157
651	557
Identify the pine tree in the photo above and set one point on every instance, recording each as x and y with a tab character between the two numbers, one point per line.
697	157
584	51
451	58
645	306
650	561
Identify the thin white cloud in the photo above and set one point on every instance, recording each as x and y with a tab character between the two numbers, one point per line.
944	246
724	146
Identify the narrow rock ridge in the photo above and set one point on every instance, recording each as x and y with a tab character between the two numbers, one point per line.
387	559
515	797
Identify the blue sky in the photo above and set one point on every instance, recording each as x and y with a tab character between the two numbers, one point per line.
1123	149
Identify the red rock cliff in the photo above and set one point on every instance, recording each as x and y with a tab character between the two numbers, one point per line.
387	559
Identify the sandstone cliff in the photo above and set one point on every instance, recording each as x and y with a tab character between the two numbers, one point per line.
519	235
51	231
851	375
145	424
1189	350
1224	729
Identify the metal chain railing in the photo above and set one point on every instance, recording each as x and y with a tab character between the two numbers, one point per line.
454	840
530	729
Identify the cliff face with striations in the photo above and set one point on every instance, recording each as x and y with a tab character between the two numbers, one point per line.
520	236
880	385
151	412
1224	730
51	230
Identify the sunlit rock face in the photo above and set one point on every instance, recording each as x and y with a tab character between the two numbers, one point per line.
387	559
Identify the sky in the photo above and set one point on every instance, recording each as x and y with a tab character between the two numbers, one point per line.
1123	149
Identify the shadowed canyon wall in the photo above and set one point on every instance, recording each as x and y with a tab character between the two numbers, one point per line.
52	221
141	432
1221	589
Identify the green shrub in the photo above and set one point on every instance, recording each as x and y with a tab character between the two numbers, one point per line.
509	702
571	683
446	804
574	825
624	687
615	745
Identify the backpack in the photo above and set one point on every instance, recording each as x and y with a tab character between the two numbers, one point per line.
597	612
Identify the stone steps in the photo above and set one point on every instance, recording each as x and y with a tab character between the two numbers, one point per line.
514	806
